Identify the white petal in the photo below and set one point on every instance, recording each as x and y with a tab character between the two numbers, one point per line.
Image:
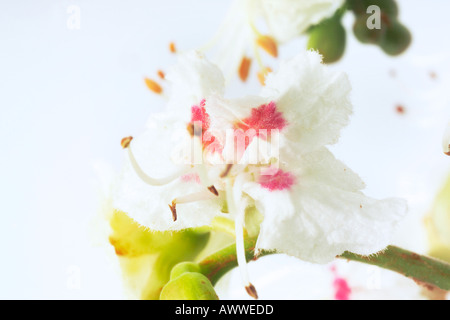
314	101
324	214
148	205
446	141
290	18
322	168
193	79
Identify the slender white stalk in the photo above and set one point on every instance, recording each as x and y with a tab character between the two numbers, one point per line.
194	197
153	181
237	206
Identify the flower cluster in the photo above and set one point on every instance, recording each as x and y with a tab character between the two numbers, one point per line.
251	25
208	156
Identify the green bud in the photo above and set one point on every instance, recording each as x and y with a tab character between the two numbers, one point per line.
189	286
329	38
366	35
396	39
184	267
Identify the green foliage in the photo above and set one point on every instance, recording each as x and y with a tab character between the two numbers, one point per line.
148	256
392	36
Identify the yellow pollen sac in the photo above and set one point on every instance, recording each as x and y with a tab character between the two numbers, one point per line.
213	190
153	86
268	44
263	74
244	68
251	291
173	209
172	47
126	142
161	74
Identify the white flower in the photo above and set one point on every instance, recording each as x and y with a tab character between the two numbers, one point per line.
312	204
446	141
239	38
289	18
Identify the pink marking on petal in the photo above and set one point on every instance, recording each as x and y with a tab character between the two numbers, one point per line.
190	177
342	289
276	179
264	117
199	114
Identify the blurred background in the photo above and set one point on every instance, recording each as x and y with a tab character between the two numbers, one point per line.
70	92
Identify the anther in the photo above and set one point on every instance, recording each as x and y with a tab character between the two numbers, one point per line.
173	208
263	74
172	47
251	291
213	190
194	131
126	142
244	68
161	74
227	170
153	86
268	44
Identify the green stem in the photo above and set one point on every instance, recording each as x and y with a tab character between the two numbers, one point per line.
422	269
219	263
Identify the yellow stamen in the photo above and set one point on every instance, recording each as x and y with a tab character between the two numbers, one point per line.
161	74
268	44
244	68
213	190
153	86
126	142
226	171
263	74
172	47
251	291
173	208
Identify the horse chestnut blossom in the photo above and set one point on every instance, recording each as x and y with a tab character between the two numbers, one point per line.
241	34
208	156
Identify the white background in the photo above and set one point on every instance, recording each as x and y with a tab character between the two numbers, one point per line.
67	97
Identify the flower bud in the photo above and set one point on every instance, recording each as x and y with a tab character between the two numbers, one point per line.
366	35
396	39
329	38
184	267
189	286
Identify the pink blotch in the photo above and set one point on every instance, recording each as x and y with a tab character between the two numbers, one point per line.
199	114
191	177
342	289
264	117
276	179
340	285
